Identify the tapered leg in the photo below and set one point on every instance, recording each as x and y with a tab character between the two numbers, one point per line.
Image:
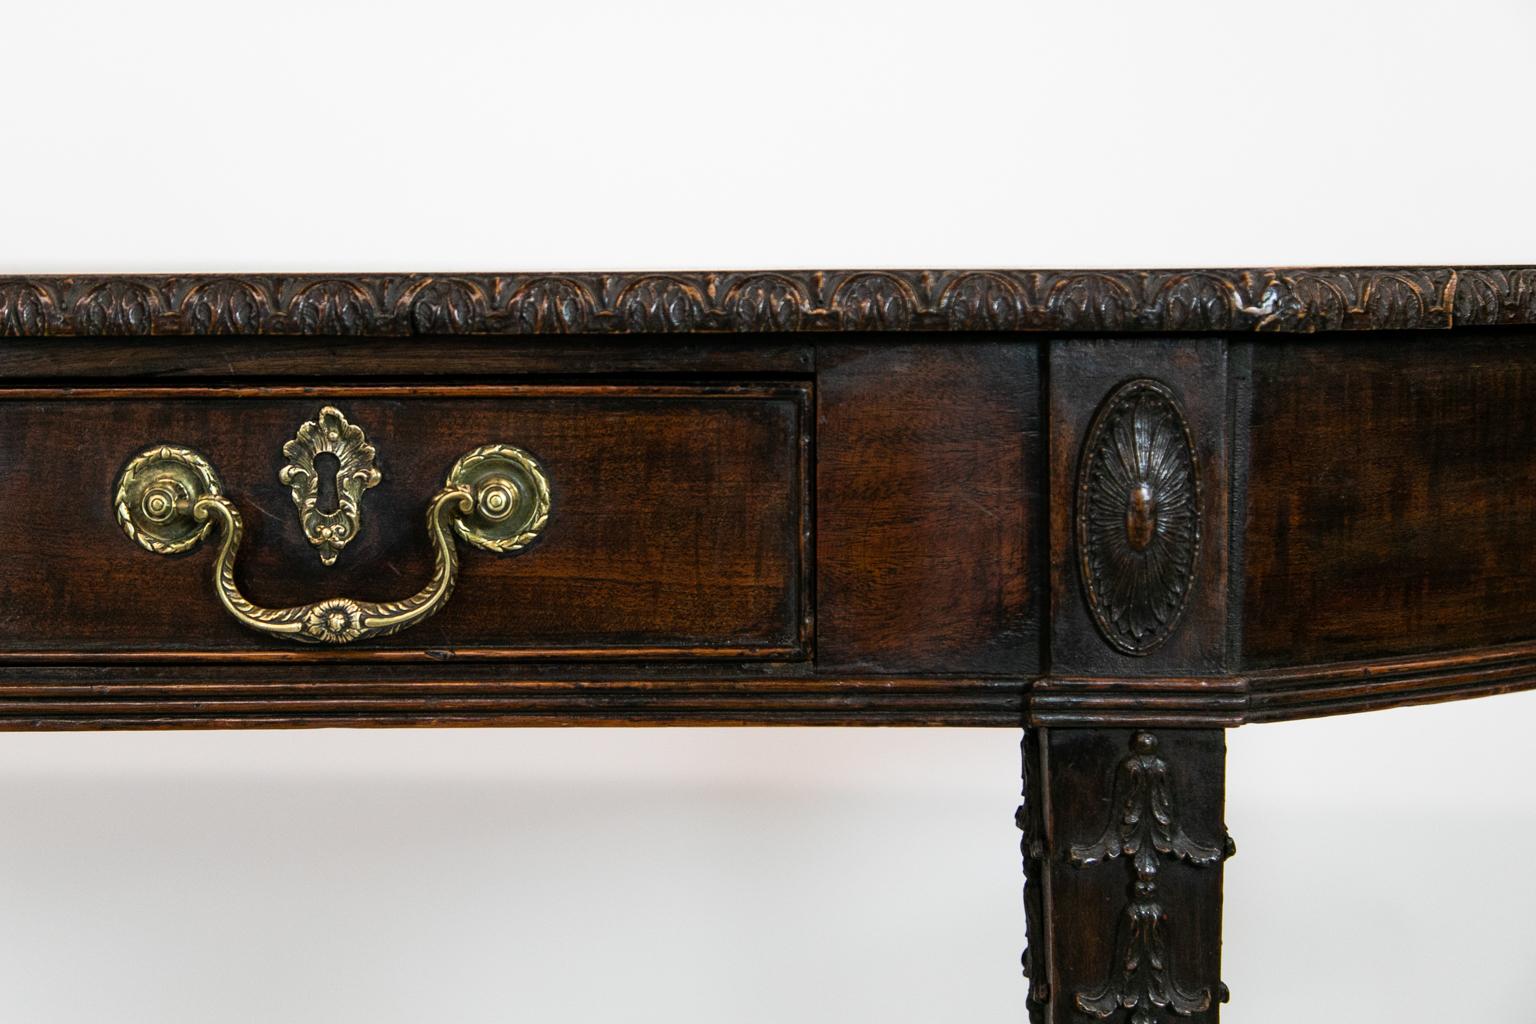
1124	841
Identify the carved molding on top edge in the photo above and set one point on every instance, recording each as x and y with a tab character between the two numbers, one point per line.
1294	300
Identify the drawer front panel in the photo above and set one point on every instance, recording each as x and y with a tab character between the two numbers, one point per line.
678	523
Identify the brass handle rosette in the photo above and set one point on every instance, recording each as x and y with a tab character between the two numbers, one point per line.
496	498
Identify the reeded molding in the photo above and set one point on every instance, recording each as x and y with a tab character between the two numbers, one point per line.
40	690
1280	694
1312	691
1203	702
1300	300
354	692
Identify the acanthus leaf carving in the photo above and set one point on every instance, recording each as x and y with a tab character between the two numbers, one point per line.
24	309
117	307
875	302
446	306
1488	296
1297	300
983	302
1395	302
1327	299
1198	302
551	305
224	306
660	305
334	307
766	302
1094	301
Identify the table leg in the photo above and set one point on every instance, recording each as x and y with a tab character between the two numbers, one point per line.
1124	841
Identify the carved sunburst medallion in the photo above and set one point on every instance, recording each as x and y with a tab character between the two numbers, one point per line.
1138	516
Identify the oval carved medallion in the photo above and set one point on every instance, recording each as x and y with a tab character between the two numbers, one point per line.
1138	516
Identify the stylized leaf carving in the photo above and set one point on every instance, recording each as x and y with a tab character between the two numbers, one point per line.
447	307
874	302
766	302
1097	301
24	309
983	302
660	304
1199	302
551	305
117	307
227	306
1350	298
333	307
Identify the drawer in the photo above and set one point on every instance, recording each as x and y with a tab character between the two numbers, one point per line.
677	522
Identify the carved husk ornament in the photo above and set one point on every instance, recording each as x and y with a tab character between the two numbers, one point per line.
1144	828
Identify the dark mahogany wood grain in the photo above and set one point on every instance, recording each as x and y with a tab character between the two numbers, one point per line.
929	508
341	359
1391	498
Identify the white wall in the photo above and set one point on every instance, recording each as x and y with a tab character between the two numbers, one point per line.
740	875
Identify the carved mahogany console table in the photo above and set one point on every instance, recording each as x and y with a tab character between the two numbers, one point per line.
1123	511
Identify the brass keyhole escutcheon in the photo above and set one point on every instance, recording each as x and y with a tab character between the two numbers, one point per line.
330	465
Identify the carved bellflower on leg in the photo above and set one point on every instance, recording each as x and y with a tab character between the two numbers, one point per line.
1144	827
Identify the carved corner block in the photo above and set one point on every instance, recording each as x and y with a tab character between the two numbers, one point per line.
1139	520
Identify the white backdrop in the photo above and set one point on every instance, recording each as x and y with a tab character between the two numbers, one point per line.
717	875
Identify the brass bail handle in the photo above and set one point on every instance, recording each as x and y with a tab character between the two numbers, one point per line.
169	498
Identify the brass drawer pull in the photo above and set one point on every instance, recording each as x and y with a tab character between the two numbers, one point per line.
496	498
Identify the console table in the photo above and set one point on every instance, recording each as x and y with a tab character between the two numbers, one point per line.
1122	511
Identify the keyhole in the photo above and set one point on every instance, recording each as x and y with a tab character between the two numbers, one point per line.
327	469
